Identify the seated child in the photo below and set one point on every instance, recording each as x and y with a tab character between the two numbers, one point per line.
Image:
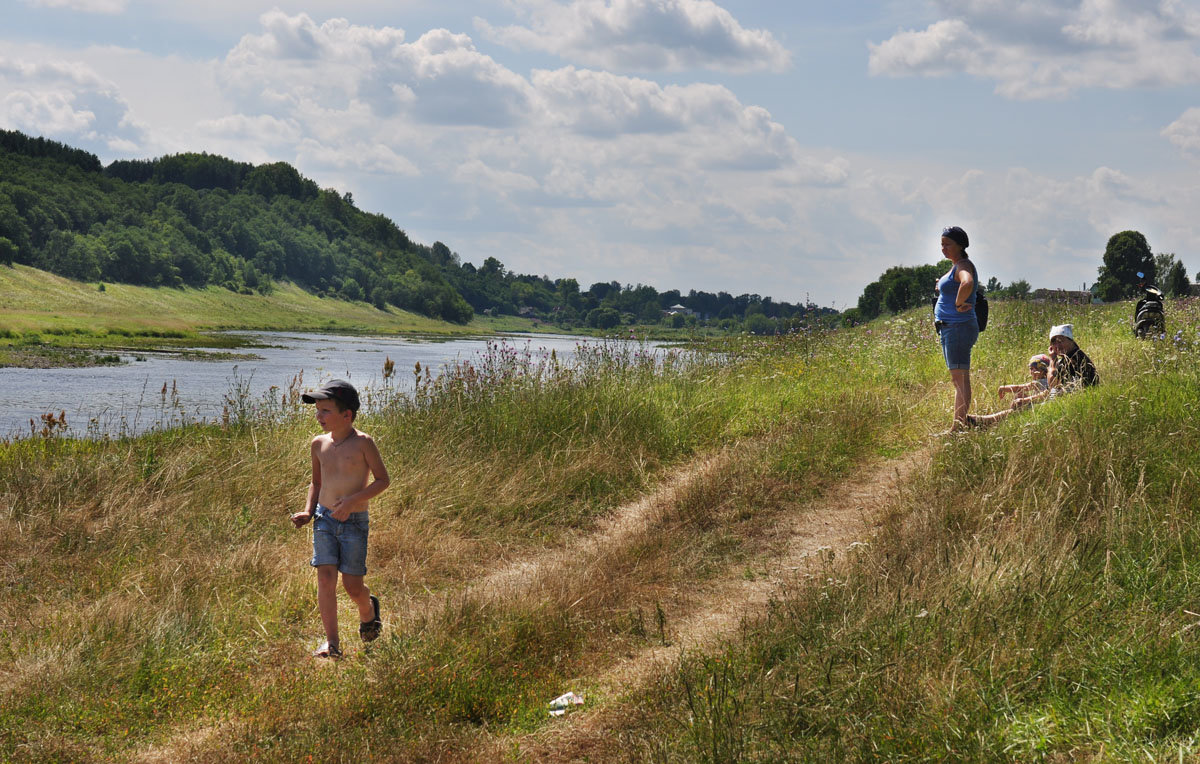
1070	367
1024	395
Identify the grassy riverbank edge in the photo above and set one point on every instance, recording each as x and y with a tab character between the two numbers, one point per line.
48	320
1028	598
162	610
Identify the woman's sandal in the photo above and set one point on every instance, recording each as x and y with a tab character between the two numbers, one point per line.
369	630
327	651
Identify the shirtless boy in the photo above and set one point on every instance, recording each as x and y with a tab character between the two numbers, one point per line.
343	459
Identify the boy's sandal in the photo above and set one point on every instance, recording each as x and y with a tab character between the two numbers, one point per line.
369	630
327	650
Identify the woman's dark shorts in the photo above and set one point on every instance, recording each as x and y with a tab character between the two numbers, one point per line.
957	340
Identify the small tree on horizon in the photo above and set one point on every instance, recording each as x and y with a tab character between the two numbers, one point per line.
1162	264
1176	281
1127	253
1018	289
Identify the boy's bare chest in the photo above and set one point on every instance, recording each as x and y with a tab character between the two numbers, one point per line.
341	461
336	459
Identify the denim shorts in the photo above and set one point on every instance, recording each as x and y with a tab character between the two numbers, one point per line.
957	341
343	544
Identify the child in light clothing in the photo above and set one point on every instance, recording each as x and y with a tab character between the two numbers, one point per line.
1024	395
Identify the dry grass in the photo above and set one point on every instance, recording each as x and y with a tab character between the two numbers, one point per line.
157	592
1028	599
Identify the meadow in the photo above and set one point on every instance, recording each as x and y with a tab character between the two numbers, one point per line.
1025	596
50	320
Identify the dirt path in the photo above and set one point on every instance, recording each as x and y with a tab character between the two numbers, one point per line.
614	532
807	534
816	530
518	578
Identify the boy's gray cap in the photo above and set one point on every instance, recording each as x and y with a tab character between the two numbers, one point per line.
337	389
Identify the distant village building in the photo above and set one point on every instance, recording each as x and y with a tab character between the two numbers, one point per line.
1061	295
679	309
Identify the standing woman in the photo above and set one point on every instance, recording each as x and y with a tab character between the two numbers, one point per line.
954	319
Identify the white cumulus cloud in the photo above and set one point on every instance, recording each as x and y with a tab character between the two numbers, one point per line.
642	35
365	157
1185	132
67	101
1050	49
439	79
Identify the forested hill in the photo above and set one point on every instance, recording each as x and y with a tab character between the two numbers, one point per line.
201	219
198	219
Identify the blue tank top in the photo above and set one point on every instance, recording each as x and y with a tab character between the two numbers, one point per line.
944	310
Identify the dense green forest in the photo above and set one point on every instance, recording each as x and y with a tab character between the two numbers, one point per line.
200	219
197	219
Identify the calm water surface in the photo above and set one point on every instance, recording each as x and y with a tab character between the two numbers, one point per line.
128	398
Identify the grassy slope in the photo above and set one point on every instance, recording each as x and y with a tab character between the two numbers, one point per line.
179	602
1033	599
37	301
1028	602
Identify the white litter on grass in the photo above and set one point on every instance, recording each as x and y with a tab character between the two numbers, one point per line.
559	705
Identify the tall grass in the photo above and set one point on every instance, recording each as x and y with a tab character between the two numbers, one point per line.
1031	598
158	605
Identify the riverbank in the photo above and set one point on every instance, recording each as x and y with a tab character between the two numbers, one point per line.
1023	594
47	320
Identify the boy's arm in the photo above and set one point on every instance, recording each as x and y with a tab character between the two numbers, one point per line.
314	489
377	486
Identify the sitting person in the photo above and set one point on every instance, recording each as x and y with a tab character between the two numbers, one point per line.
1067	369
1038	388
1070	368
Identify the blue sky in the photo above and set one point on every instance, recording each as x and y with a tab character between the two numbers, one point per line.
788	149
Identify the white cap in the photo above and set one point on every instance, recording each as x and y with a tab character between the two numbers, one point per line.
1062	330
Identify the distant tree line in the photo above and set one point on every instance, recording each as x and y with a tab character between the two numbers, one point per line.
604	305
19	143
903	287
1017	290
899	288
199	219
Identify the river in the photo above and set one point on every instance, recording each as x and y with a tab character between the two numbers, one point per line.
129	398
